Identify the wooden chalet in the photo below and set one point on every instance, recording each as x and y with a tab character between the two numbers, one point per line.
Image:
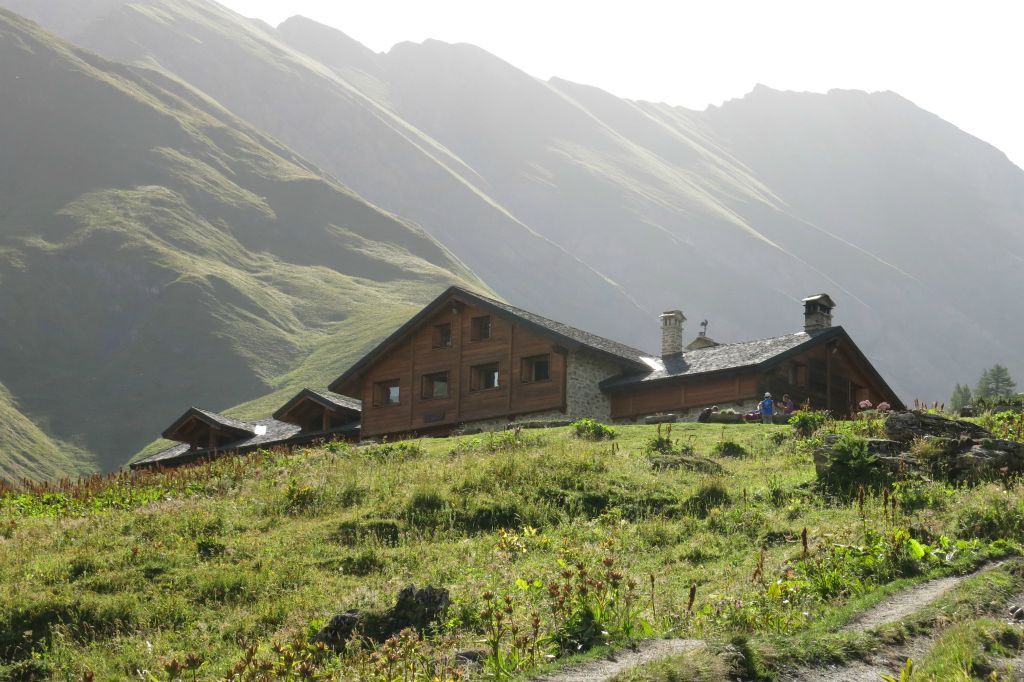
467	360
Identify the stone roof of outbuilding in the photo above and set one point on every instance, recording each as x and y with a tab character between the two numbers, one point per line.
209	417
725	357
324	397
276	432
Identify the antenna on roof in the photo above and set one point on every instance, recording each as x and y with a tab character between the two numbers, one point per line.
704	328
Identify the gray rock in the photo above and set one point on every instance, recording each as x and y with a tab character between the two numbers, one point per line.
413	609
906	426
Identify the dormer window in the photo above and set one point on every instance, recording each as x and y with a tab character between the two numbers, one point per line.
480	328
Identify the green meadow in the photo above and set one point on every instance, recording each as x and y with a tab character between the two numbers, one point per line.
553	547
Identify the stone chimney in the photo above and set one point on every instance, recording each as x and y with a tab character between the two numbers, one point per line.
672	333
818	312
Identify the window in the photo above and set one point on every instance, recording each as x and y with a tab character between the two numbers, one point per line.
483	377
386	393
435	385
537	368
443	335
480	328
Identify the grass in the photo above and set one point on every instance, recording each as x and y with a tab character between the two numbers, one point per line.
134	571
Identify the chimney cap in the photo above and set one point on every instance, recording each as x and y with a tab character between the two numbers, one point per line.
674	313
823	299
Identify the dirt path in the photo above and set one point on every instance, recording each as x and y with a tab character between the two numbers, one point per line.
890	660
903	604
627	659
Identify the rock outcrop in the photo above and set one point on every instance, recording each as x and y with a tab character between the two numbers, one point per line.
925	445
413	609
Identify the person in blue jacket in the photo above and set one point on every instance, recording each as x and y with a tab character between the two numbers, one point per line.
767	408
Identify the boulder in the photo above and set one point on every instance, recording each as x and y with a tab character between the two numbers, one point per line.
907	426
413	609
340	629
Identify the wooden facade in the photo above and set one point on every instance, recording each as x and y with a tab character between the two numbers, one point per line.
461	364
832	376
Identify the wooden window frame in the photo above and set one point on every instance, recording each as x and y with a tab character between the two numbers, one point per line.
382	393
476	326
437	339
528	370
428	379
477	373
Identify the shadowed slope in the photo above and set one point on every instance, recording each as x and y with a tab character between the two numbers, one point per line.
155	251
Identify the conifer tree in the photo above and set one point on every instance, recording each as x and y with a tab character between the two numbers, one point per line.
961	397
995	382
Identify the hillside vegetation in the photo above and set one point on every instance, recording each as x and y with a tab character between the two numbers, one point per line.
550	545
621	209
157	252
27	452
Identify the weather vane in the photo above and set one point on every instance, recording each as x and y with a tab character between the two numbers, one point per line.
704	328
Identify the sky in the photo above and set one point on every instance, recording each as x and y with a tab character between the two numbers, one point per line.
963	61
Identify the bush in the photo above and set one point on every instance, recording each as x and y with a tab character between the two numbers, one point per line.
806	422
996	517
852	462
401	451
728	448
706	498
590	429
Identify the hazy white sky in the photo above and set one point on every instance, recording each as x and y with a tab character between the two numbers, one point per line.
961	60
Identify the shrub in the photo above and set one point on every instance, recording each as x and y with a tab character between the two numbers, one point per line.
362	563
851	462
427	508
208	548
383	531
401	451
706	498
806	422
994	517
590	429
728	448
302	499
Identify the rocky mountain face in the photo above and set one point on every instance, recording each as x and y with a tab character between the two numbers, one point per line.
156	251
601	211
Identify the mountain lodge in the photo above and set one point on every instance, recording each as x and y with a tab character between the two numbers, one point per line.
469	361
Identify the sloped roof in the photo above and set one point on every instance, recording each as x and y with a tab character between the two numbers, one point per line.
326	398
211	418
275	432
758	354
719	358
565	334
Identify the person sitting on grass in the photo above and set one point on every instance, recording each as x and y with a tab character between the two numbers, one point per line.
788	406
767	409
705	415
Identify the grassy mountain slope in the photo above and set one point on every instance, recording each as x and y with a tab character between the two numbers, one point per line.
347	125
121	576
27	452
155	251
680	206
